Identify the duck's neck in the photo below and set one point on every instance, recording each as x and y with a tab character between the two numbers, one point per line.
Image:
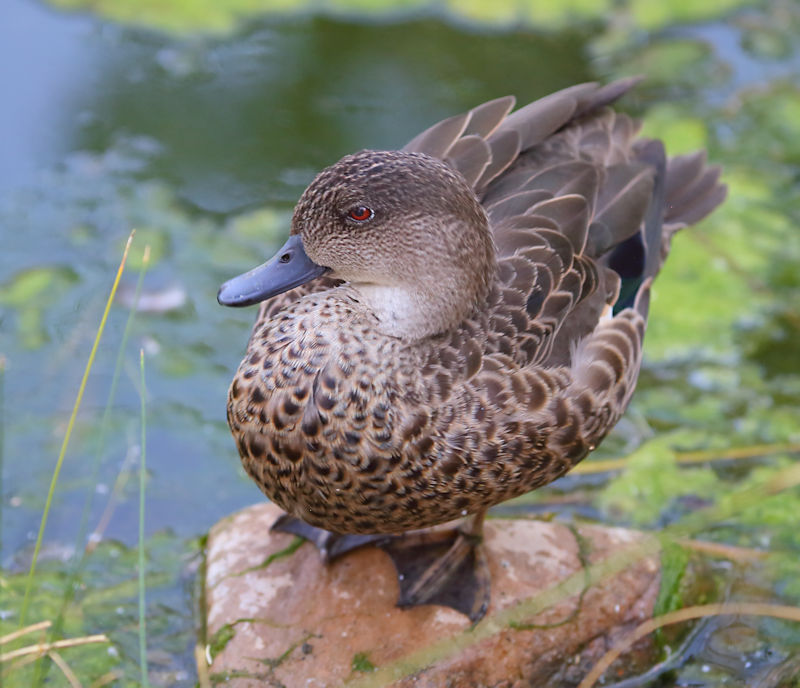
413	312
434	290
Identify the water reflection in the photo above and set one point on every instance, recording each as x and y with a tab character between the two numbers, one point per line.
44	60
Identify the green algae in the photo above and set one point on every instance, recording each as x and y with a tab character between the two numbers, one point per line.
361	663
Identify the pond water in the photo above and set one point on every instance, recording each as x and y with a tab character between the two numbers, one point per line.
202	140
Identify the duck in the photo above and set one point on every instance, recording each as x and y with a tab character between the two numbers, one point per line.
454	324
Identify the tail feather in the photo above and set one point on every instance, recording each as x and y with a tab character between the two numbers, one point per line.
697	199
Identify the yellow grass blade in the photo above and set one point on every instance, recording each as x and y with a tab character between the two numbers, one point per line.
44	648
42	625
29	584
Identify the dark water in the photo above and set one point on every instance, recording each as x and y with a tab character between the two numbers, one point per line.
203	143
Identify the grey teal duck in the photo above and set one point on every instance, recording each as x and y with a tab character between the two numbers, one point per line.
454	324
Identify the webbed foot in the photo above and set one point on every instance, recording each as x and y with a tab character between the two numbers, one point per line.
445	567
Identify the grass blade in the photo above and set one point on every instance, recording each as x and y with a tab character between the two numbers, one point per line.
41	626
39	649
142	476
69	674
702	456
81	546
106	419
54	480
2	440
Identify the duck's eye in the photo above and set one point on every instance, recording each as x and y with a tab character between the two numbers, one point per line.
360	213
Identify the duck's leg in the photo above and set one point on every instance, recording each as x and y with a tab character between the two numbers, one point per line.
330	545
446	567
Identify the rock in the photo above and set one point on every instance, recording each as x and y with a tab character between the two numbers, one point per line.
278	616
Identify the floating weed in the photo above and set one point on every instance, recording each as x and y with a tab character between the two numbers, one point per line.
674	560
674	564
68	433
26	292
106	601
765	485
181	17
652	481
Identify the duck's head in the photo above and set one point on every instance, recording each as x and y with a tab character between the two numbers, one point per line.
403	229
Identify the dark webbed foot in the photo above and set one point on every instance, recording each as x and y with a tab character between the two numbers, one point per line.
445	567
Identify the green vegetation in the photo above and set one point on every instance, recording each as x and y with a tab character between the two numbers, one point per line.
187	130
25	292
205	15
293	546
361	663
220	639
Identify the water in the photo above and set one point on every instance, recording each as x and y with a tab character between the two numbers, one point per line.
203	142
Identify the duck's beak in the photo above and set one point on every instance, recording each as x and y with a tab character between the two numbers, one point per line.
288	268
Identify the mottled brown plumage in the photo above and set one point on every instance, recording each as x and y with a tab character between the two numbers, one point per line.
471	341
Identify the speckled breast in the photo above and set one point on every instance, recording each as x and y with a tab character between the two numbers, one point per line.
313	412
359	433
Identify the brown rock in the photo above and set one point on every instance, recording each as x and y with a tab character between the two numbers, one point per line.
277	616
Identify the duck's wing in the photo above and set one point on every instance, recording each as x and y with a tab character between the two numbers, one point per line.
485	141
582	212
582	218
616	200
570	211
562	185
463	140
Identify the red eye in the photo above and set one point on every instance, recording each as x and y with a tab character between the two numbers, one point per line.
360	213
